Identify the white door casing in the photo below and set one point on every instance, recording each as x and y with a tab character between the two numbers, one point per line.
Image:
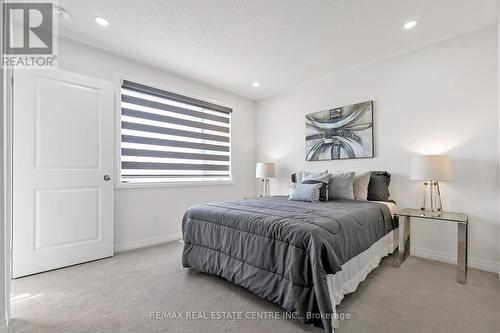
63	148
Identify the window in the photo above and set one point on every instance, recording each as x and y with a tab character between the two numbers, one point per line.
169	138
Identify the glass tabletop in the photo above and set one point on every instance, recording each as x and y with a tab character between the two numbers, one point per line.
428	214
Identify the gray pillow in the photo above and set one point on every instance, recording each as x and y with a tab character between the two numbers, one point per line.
341	186
318	178
304	192
360	185
378	189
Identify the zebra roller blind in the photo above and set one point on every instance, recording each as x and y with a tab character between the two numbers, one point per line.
167	137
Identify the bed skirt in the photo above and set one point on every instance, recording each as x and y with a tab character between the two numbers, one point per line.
355	270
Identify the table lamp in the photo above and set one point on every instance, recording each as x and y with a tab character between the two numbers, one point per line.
265	171
431	169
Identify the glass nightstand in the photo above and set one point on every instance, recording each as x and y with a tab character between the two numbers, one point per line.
460	219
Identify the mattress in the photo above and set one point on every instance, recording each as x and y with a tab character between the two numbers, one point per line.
290	253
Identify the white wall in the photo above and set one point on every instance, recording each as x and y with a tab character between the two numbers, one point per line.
498	99
134	208
5	190
5	198
4	262
440	99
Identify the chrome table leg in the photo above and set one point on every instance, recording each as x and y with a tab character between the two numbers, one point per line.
462	253
403	250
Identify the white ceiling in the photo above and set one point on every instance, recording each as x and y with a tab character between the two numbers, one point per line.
280	43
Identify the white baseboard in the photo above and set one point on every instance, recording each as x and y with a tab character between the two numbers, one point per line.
484	265
4	326
147	242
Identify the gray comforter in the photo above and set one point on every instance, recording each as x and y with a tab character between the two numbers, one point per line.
282	250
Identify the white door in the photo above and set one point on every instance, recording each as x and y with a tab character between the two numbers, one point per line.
62	155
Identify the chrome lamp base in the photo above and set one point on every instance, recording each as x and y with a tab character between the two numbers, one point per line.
265	189
431	189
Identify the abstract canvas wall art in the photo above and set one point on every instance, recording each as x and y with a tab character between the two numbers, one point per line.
340	133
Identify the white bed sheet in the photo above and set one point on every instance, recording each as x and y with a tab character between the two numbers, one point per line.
391	205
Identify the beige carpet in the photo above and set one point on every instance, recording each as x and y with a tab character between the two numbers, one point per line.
118	294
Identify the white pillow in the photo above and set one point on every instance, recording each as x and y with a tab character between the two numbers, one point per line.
360	185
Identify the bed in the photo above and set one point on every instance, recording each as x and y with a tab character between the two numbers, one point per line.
302	256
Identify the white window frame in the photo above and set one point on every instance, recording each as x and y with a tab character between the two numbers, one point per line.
119	78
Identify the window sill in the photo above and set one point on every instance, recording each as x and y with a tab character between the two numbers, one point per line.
123	186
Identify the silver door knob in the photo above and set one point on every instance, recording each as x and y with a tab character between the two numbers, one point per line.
107	178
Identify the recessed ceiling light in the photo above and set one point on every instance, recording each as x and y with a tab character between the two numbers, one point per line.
101	21
410	24
61	13
256	84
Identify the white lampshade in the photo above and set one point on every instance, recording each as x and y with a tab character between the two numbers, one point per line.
265	170
430	167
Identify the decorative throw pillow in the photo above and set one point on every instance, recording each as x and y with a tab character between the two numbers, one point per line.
341	186
297	177
378	189
304	192
318	178
360	185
